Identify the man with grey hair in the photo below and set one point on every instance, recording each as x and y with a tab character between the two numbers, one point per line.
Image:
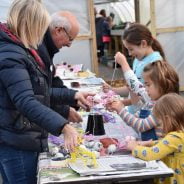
63	29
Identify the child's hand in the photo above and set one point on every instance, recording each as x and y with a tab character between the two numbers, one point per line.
145	143
120	58
106	87
115	105
134	97
131	144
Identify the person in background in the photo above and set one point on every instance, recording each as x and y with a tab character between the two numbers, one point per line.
160	78
106	32
103	13
62	30
112	15
140	43
99	19
168	110
25	94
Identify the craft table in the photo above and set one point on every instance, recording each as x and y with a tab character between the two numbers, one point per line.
54	174
50	171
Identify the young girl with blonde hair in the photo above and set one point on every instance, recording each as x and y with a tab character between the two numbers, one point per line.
168	111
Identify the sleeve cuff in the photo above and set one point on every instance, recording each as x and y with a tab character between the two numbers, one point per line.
122	111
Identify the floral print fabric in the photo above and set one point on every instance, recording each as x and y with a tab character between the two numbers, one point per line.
170	150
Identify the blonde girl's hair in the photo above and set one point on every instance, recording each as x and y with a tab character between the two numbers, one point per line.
136	32
163	76
169	111
28	20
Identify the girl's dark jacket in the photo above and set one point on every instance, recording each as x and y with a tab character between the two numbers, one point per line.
25	95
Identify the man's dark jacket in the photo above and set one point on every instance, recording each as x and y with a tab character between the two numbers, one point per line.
25	95
47	50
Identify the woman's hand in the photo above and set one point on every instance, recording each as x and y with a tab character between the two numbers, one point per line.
70	137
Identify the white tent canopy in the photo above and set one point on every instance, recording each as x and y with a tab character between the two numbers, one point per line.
124	10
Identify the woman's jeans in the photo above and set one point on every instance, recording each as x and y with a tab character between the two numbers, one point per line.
17	166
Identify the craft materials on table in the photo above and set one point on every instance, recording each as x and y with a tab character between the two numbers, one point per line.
115	165
99	139
111	143
95	154
68	71
111	168
101	124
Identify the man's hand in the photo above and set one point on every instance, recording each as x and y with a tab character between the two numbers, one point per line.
70	137
82	101
74	116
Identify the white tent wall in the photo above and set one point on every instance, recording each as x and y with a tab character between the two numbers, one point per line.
167	23
83	49
4	5
169	14
144	11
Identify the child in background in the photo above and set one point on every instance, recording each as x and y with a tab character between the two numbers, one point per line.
140	44
169	111
160	78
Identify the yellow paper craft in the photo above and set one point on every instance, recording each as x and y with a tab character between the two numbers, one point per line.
80	152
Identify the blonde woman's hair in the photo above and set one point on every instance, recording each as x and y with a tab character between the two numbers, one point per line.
169	111
28	20
163	76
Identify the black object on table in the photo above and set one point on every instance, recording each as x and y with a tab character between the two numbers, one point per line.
95	125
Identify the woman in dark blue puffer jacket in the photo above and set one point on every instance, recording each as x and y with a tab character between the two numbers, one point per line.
25	116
